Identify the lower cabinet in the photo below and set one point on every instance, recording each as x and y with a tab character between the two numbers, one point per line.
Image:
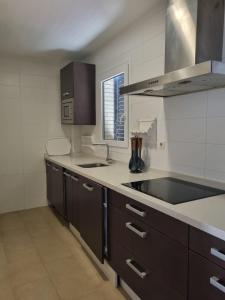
72	196
139	277
159	257
206	279
80	202
206	266
91	215
152	263
49	182
55	187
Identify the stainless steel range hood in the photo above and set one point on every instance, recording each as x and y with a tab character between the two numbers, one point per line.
193	51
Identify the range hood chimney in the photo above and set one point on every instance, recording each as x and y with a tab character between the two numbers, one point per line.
193	51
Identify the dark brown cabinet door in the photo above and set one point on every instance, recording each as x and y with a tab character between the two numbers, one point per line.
49	182
154	251
166	258
84	94
67	82
139	277
78	83
208	246
57	192
206	279
67	196
169	226
91	216
73	207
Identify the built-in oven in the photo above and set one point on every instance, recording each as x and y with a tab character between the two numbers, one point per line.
67	114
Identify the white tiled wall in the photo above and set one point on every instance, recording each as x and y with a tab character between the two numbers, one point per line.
193	126
29	115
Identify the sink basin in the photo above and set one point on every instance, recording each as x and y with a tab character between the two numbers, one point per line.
94	165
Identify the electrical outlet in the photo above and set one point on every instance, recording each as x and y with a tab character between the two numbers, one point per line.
162	145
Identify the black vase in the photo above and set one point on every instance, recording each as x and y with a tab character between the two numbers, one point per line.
134	164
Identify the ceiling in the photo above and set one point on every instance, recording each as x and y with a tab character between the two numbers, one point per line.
61	28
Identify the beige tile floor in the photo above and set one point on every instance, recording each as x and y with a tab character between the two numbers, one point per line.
41	260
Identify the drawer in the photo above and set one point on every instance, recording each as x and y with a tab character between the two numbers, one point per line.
208	246
166	258
207	280
172	227
141	280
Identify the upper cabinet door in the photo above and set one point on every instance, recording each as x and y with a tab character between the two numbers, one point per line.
67	82
78	85
84	94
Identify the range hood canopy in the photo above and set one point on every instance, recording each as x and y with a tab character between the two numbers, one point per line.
193	51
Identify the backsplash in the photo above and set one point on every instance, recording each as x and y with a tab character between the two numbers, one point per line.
190	126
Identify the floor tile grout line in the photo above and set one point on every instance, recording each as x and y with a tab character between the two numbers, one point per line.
47	275
43	264
41	261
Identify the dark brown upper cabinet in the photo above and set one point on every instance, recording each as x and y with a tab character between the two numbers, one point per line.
77	82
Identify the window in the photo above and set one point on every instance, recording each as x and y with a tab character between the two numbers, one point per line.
113	128
114	108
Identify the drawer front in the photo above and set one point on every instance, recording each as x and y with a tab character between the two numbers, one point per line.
166	258
139	277
207	280
161	222
208	246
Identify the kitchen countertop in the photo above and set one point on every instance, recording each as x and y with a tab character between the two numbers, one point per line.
207	214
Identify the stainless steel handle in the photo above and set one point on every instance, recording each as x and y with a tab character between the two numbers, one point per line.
66	94
142	234
214	281
88	187
135	210
215	252
55	169
66	174
74	178
135	269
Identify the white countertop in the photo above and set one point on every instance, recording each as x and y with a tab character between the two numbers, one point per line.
207	214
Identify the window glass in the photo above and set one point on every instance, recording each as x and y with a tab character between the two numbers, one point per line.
113	108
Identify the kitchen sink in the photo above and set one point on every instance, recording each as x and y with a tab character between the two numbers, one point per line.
93	165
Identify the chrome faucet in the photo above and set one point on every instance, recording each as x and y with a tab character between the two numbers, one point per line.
108	159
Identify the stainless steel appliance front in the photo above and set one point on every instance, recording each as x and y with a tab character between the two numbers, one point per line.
193	51
67	113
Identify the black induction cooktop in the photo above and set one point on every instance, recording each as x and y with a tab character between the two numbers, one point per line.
174	190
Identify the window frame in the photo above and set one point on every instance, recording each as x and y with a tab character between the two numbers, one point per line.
122	69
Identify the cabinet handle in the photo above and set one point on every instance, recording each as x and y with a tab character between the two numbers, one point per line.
88	188
55	169
66	174
215	252
135	269
135	210
214	281
142	234
74	178
65	94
